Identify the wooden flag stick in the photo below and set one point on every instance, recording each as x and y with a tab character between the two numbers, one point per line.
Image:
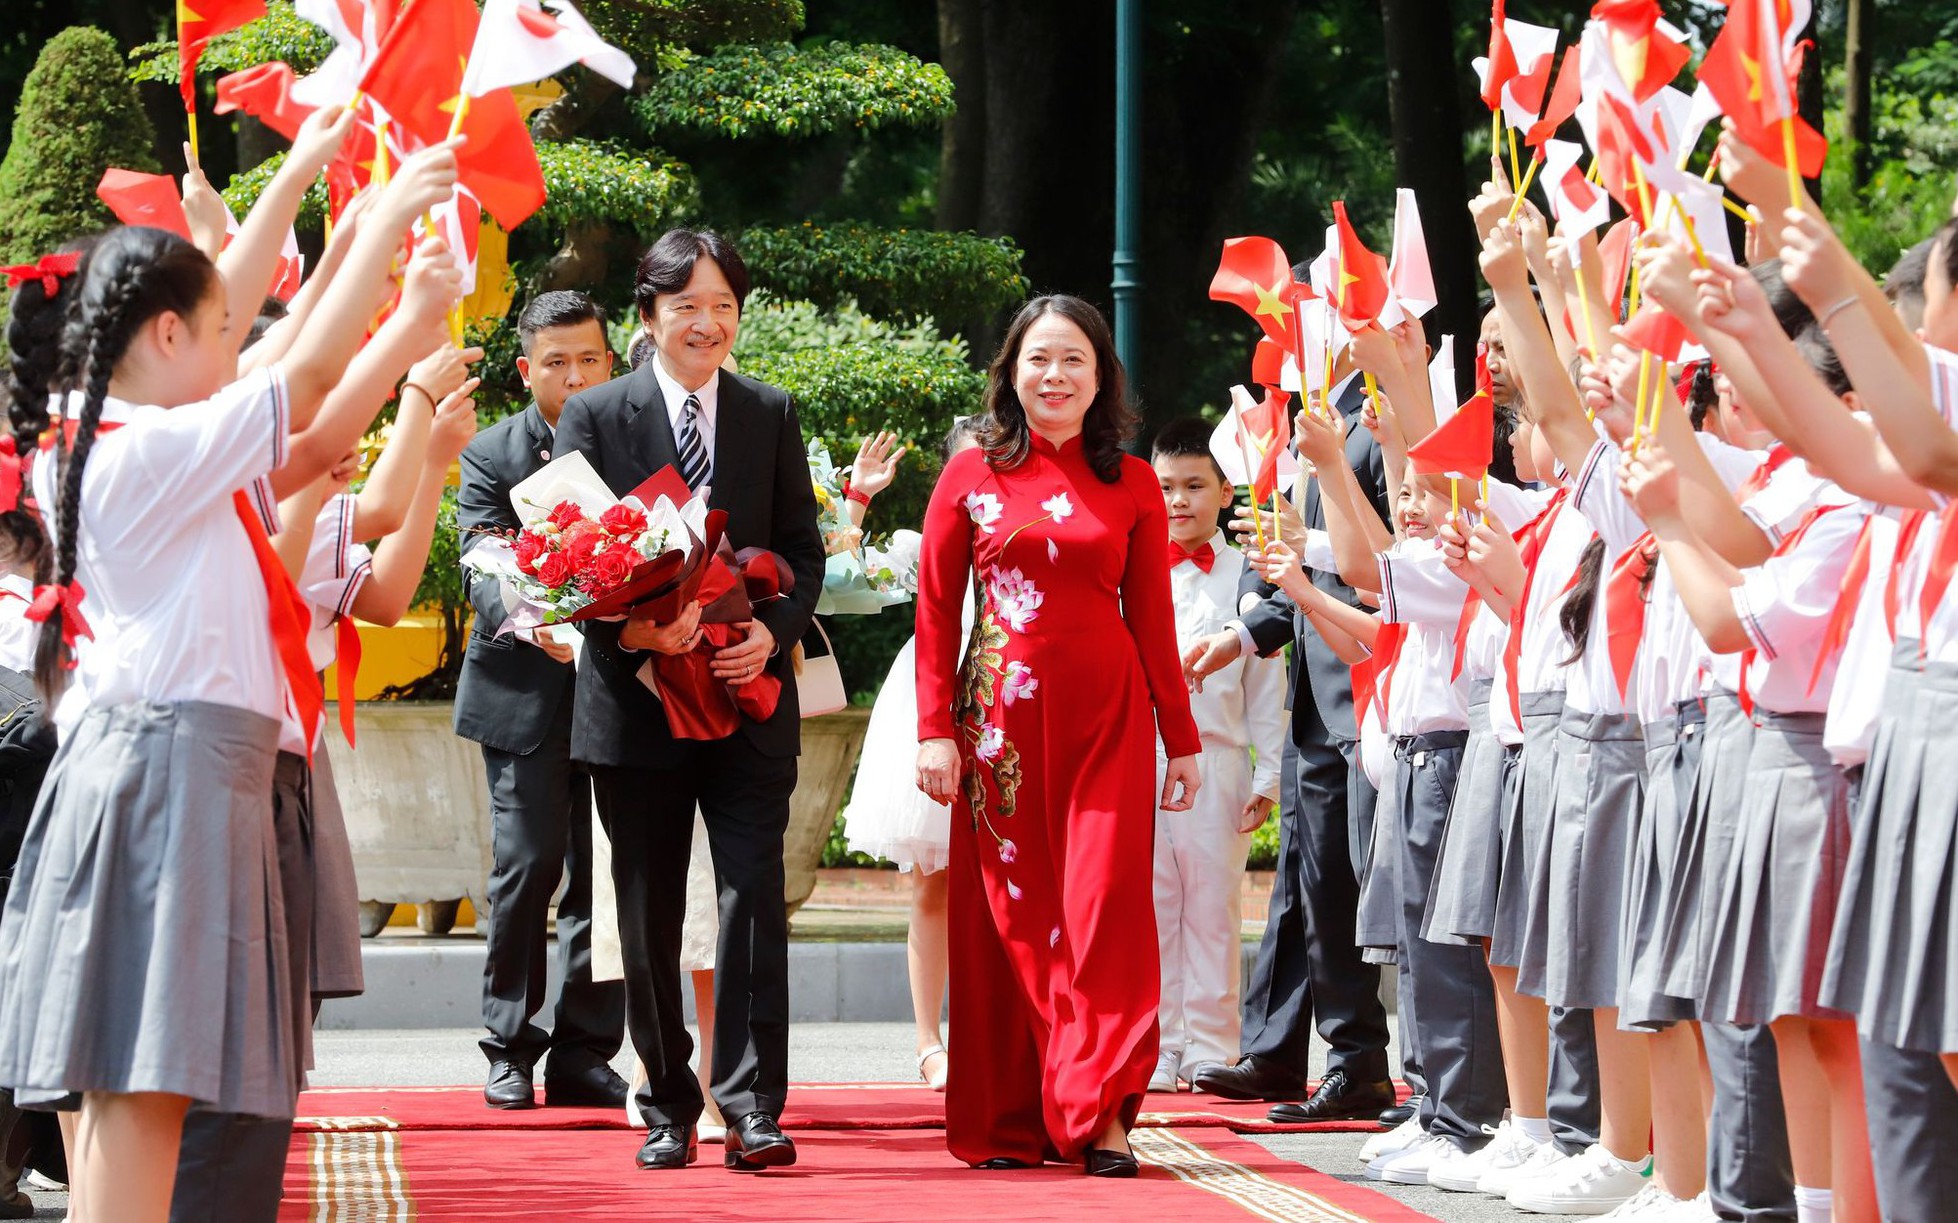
1638	404
1250	473
1584	301
1794	169
1373	393
1529	176
1454	499
1515	164
1495	133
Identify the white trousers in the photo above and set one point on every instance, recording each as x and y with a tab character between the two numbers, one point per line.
1199	880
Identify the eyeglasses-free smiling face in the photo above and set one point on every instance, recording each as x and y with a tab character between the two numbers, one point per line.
1055	377
695	327
1193	494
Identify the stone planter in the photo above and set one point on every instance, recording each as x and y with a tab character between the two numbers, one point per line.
829	759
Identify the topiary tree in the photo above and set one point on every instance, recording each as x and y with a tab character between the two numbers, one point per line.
78	116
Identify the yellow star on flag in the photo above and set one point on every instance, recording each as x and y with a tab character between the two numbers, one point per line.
187	14
1269	303
1752	67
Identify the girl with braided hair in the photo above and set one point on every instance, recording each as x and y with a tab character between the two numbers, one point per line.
143	959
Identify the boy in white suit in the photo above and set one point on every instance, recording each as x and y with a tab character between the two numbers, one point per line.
1240	710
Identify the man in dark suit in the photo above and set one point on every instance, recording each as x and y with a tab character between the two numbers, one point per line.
515	698
737	442
1309	962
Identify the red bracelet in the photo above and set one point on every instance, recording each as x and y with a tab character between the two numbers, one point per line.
857	495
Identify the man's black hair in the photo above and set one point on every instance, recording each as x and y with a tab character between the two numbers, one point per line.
558	308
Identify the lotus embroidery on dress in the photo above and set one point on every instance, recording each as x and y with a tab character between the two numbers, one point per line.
985	510
1058	507
1016	598
991	740
1020	682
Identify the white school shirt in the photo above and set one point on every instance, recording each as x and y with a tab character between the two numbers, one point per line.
675	395
1675	664
336	568
1541	653
1596	496
1856	704
1785	603
1488	633
1938	637
173	589
18	634
1242	706
1419	590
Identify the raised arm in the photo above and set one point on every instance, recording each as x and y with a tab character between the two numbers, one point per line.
1549	396
250	261
1704	579
400	559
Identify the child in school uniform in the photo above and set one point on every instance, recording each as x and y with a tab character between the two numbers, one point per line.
1240	713
154	976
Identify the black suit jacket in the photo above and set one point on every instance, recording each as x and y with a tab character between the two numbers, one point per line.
1322	685
510	692
761	478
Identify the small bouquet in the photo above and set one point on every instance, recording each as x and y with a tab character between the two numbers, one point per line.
584	554
858	579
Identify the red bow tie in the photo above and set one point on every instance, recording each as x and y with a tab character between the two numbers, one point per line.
1202	557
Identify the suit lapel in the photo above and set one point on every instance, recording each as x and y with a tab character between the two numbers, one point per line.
537	435
649	433
731	417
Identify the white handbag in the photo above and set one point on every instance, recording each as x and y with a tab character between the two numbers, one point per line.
818	681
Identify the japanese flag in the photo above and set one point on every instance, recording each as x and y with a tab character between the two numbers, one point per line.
458	222
518	42
1409	274
1578	204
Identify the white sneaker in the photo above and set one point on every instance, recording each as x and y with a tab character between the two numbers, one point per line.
1651	1203
1499	1181
1694	1210
1410	1165
1508	1147
31	1179
1589	1184
1401	1137
1164	1079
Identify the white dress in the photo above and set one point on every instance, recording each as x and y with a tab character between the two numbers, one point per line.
888	816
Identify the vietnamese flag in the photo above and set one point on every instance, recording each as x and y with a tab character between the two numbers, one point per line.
265	93
1750	72
1623	144
198	22
1646	57
143	199
1264	430
417	76
1361	288
1655	331
1268	363
1462	445
1255	276
1615	250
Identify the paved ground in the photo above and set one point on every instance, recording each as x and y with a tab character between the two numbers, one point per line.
834	1052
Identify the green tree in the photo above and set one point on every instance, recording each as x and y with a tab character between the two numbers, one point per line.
78	116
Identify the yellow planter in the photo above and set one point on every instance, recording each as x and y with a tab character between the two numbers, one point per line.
407	651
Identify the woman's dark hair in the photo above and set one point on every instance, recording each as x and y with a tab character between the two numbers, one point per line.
1904	284
965	428
1110	421
270	311
1701	394
1799	325
129	277
668	265
1944	249
1575	616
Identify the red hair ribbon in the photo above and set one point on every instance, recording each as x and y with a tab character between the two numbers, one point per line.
69	599
48	269
10	474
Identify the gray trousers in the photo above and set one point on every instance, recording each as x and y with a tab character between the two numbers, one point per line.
231	1168
1447	998
1749	1174
1913	1118
1572	1098
540	815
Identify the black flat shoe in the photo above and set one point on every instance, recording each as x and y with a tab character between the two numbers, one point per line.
755	1142
595	1087
509	1085
1252	1078
1399	1114
667	1147
1338	1099
1000	1163
1116	1165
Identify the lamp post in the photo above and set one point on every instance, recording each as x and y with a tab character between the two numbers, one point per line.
1126	283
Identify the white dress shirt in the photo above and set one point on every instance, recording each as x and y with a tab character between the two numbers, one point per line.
709	394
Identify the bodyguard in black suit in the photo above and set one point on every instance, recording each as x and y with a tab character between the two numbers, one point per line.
1308	965
515	697
738	439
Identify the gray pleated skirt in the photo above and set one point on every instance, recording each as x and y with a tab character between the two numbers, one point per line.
1893	956
1600	786
1777	903
1462	901
1523	892
1705	844
336	893
144	949
1657	831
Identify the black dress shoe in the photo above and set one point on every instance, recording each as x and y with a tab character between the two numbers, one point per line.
594	1087
1117	1165
755	1142
1253	1078
668	1146
1338	1099
1000	1163
509	1085
1400	1114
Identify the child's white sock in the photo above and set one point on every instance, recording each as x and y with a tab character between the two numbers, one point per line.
1536	1129
1814	1205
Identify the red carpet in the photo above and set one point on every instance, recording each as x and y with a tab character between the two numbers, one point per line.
1194	1174
818	1106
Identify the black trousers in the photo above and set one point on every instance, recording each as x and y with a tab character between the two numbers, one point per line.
540	815
230	1168
1308	966
1749	1174
743	798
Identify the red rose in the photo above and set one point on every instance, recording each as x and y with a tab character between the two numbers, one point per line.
555	570
609	570
622	519
566	513
528	548
580	543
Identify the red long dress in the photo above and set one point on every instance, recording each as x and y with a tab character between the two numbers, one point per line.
1054	980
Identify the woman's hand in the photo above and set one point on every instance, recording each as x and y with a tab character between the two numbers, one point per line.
204	209
318	140
1731	302
1503	264
1814	263
1181	781
442	371
938	770
1321	442
876	464
1651	483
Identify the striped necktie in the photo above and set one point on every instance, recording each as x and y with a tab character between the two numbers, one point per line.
693	454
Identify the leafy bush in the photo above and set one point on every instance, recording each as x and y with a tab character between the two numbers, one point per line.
795	91
896	274
78	116
281	34
1264	845
1913	159
444	587
587	181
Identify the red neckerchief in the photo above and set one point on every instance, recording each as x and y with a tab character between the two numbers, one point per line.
1387	645
1624	610
1470	605
346	652
1906	538
1944	556
1783	548
1777	455
289	614
1848	595
1531	540
1203	556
